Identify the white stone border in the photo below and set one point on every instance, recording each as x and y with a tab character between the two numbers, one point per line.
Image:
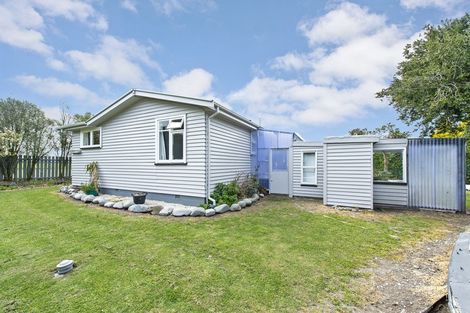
157	207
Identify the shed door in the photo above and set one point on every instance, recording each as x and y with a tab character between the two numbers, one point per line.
279	171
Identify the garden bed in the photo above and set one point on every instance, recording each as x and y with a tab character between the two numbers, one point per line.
154	207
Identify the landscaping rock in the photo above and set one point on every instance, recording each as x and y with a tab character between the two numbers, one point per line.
210	212
197	211
255	197
139	208
97	200
155	209
235	207
78	196
182	211
109	204
84	195
88	198
103	201
71	195
119	205
165	211
127	203
64	189
261	195
242	203
221	208
248	202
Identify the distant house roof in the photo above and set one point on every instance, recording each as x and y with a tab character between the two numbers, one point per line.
134	95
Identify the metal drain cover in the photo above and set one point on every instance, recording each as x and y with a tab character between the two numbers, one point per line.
64	267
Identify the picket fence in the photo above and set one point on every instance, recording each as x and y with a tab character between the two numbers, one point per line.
47	168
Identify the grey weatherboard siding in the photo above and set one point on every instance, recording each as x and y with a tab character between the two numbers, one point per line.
348	174
230	151
299	190
126	159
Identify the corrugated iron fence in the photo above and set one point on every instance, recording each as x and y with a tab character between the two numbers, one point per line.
48	167
436	174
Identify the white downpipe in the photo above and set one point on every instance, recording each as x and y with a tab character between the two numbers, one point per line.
208	187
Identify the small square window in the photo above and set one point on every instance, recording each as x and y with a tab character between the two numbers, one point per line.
389	165
91	138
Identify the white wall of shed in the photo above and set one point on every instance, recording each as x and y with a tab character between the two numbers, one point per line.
299	190
349	174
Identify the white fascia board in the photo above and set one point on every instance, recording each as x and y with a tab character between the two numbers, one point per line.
307	144
123	100
351	139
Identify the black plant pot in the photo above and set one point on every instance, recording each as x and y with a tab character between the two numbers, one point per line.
139	197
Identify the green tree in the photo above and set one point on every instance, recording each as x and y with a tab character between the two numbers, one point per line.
14	118
389	130
78	118
431	88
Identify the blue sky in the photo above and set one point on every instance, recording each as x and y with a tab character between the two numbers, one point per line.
308	66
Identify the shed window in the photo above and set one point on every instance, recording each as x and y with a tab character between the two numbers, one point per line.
390	165
171	140
309	168
91	138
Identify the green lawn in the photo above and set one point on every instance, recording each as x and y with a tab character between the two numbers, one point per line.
468	199
272	257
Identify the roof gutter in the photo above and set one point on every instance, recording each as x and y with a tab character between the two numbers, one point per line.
208	158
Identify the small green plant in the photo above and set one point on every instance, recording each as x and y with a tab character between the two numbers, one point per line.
205	206
226	193
248	185
89	189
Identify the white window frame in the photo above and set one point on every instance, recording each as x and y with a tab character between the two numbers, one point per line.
405	178
91	145
170	138
302	182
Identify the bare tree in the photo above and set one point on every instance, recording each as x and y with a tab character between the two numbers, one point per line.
63	139
39	139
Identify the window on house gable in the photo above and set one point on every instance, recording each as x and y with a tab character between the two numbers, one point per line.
171	140
91	138
390	165
309	168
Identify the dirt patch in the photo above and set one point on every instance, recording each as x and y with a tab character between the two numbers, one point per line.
415	277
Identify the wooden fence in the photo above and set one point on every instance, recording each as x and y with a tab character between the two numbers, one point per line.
47	167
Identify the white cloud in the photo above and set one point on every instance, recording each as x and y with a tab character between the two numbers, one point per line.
291	61
115	60
22	22
21	27
353	53
345	23
56	64
195	83
52	87
73	10
442	4
169	7
129	5
52	112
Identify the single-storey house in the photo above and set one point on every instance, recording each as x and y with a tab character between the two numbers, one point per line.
173	147
178	148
